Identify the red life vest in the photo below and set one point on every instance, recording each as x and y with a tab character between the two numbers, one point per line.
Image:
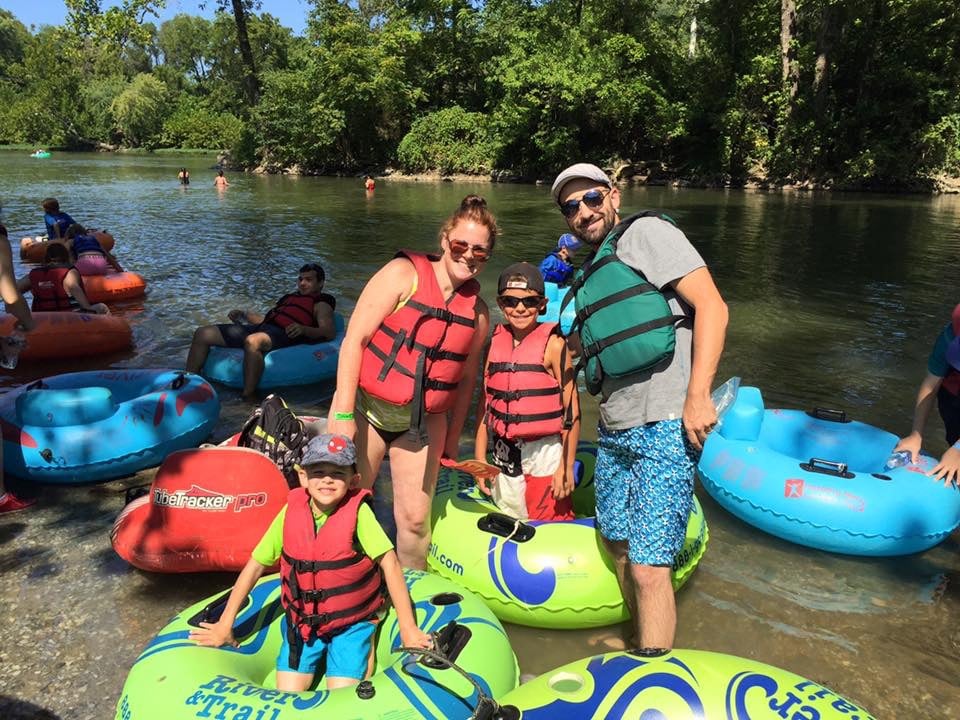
327	582
418	353
293	308
524	401
46	283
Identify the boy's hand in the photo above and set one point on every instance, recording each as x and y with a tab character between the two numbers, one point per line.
213	635
415	637
562	482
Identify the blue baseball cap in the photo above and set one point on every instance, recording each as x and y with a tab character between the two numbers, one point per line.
329	448
569	241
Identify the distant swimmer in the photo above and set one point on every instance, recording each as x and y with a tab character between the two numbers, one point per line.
368	182
184	176
220	181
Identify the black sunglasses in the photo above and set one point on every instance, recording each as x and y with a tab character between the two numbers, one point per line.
530	302
592	199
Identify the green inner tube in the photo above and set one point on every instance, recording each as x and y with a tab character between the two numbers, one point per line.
176	679
540	574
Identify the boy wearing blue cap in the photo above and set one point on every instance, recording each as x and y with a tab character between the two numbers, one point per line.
557	266
335	560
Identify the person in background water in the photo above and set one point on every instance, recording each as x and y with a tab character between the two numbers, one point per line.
557	266
10	346
530	405
220	181
335	563
368	182
409	363
656	413
90	257
941	384
57	286
303	316
56	221
184	176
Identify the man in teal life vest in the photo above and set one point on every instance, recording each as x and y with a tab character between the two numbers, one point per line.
303	316
650	330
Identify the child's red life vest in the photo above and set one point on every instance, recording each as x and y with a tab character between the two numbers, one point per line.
327	582
524	401
46	284
419	351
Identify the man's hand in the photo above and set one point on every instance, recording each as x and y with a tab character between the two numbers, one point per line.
237	315
295	330
699	419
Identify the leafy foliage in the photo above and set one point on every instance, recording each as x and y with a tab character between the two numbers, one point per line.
860	91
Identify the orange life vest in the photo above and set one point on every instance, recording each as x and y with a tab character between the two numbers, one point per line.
46	283
524	401
418	353
327	582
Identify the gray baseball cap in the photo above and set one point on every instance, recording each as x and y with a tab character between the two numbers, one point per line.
328	448
580	170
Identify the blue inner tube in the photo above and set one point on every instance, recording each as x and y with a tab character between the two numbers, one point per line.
819	479
94	426
301	364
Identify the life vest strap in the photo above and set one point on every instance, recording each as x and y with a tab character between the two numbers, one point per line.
312	566
443	314
501	367
514	395
432	353
322	594
516	418
587	310
595	348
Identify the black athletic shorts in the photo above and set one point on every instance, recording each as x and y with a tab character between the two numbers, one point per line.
235	333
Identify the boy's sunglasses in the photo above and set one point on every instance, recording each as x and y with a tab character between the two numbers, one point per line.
459	247
592	199
530	302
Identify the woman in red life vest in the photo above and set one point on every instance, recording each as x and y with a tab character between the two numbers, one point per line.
408	366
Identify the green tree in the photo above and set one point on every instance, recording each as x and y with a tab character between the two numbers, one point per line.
139	111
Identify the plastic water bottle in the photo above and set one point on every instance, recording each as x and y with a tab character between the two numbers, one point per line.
897	459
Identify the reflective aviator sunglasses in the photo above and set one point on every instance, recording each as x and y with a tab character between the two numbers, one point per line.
592	199
460	247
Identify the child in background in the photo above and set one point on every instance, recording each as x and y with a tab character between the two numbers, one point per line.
368	182
56	221
89	256
326	521
531	407
557	266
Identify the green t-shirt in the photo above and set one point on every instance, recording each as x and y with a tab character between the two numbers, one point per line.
937	362
373	540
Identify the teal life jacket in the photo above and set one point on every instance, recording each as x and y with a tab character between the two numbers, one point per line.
625	323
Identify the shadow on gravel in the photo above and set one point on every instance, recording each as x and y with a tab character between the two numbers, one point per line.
13	709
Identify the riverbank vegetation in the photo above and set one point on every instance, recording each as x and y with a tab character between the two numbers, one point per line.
862	93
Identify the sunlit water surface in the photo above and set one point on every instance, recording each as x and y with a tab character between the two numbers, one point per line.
834	302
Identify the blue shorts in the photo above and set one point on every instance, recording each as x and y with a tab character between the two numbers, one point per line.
347	652
644	480
235	333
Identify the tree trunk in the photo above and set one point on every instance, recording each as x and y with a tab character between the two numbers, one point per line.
790	75
826	37
251	84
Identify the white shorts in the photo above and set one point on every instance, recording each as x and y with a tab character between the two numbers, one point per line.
538	458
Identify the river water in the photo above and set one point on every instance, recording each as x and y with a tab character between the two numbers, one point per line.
834	302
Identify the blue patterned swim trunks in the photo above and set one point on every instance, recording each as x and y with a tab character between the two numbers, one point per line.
644	480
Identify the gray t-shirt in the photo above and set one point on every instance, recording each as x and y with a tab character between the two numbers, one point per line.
663	254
